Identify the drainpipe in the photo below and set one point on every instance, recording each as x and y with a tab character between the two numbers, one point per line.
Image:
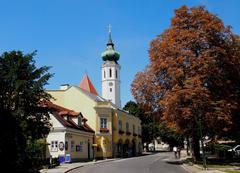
113	153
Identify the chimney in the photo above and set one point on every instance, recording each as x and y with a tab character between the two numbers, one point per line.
64	86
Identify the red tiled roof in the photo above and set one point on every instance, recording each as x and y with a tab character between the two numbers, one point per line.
59	112
87	85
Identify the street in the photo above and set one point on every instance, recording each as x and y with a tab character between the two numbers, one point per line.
156	163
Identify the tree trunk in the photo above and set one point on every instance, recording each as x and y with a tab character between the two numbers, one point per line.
195	148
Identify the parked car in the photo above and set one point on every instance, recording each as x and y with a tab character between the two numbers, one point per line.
151	147
235	150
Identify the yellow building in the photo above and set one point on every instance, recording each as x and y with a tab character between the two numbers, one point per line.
117	133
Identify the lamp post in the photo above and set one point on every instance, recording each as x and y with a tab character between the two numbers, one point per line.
202	144
199	126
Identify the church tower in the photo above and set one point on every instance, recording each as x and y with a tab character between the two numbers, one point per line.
111	73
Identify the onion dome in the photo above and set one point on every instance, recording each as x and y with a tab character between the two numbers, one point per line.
110	54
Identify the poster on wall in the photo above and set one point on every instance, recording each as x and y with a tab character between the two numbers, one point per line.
61	146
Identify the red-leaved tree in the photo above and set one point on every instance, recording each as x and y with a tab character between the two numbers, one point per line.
193	76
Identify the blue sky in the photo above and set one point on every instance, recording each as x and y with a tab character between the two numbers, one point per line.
70	35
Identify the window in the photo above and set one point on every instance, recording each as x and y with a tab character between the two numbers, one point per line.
110	89
79	121
103	122
79	148
54	145
72	146
116	73
68	118
139	130
127	127
104	74
110	72
133	128
120	124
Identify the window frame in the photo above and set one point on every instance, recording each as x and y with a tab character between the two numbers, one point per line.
103	122
120	125
127	127
110	72
54	146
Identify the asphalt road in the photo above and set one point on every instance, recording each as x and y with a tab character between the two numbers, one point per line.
157	163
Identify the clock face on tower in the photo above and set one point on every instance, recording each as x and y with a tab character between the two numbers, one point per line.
110	84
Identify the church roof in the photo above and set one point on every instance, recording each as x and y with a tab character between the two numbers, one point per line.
110	54
87	85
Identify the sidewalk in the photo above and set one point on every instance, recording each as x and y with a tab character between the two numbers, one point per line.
193	168
67	167
196	169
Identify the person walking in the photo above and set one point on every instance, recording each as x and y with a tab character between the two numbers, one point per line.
179	152
175	151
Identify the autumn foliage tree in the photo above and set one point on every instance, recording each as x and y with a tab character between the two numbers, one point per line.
193	76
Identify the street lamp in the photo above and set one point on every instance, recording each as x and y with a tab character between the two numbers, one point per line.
202	145
199	126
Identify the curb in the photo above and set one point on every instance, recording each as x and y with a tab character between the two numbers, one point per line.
73	168
94	163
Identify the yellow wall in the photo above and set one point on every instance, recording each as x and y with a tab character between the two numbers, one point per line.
58	96
104	146
125	117
79	139
73	98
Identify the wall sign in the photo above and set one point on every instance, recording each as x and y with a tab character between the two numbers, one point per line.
61	146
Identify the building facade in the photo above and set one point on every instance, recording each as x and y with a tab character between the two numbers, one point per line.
69	136
117	133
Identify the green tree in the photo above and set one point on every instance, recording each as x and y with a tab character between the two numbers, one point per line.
152	127
23	117
147	121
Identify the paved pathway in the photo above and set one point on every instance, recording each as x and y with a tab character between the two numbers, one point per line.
160	162
146	164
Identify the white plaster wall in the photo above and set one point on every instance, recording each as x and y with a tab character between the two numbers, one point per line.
114	95
56	136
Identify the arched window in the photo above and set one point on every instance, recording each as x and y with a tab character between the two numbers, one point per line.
127	127
110	72
120	124
116	73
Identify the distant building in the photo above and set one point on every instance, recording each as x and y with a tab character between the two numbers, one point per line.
159	145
